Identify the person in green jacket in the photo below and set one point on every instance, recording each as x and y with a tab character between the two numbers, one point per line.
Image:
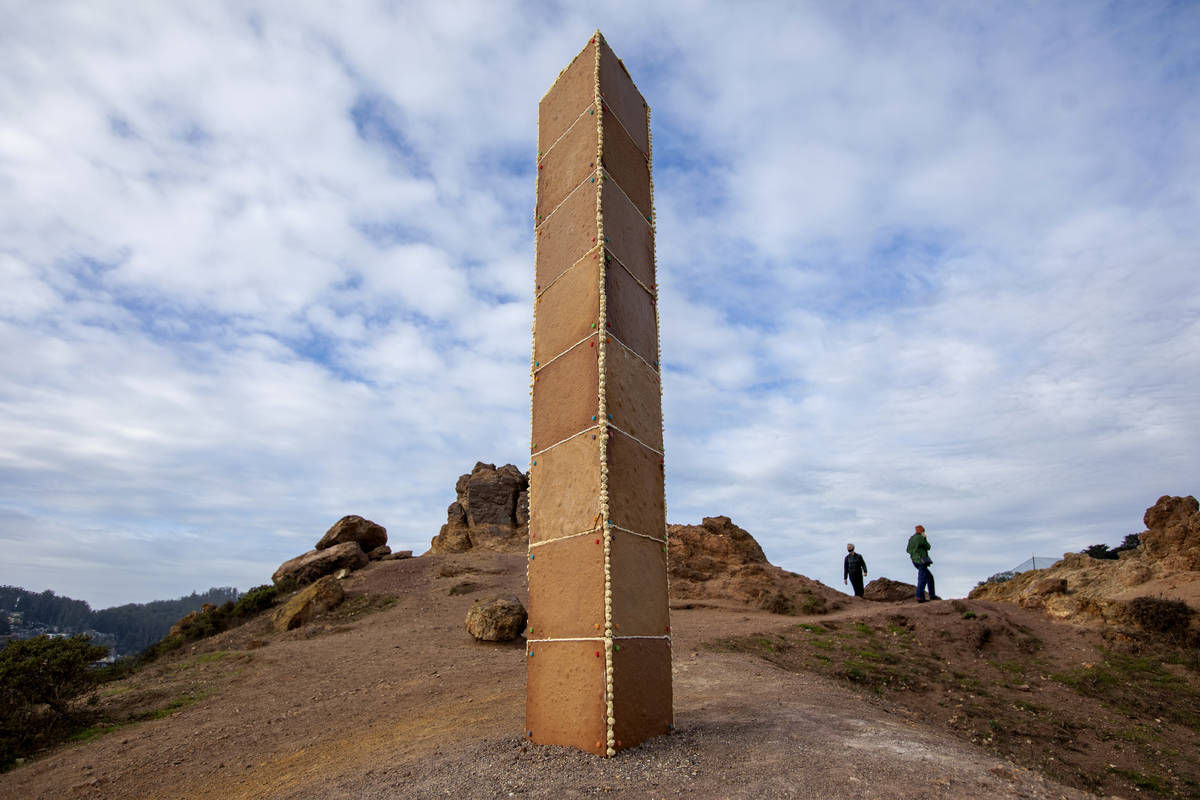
918	551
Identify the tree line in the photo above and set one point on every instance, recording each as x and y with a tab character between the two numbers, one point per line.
135	626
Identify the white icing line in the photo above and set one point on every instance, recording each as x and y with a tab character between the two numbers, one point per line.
546	152
643	535
663	636
544	220
610	735
636	279
588	532
540	292
654	450
630	199
569	438
636	355
537	369
617	117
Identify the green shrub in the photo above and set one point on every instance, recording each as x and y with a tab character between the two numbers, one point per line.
257	599
39	679
1157	615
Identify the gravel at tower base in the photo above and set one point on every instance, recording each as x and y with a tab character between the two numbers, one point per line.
598	660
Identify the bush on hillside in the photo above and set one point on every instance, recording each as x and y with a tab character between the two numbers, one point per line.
39	680
1170	618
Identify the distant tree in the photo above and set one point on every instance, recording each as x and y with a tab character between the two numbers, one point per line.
41	673
1132	542
5	628
1100	551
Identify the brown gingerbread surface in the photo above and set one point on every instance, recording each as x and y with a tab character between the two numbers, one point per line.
631	315
566	237
566	481
629	236
633	396
568	310
623	98
642	690
565	395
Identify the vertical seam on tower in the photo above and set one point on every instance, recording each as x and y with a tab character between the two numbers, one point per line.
602	418
658	350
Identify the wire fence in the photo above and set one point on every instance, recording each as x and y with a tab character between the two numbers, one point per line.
1036	562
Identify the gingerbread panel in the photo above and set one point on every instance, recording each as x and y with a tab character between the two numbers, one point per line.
567	311
635	486
571	95
623	98
565	695
631	316
627	165
566	395
565	489
565	238
627	233
566	588
633	396
639	586
641	690
569	166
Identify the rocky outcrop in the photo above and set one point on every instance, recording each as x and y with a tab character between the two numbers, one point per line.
314	564
379	553
1172	534
354	528
321	596
1084	589
717	560
498	620
886	590
490	512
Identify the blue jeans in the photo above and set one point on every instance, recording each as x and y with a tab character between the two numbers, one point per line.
924	579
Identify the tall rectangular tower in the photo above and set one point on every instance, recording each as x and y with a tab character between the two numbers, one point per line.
599	638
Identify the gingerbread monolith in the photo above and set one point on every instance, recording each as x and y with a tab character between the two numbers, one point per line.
599	636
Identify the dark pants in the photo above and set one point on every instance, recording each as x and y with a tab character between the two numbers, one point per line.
924	578
856	582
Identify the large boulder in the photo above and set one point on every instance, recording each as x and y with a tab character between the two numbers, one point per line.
717	560
318	598
490	512
314	564
500	619
354	528
1173	532
886	590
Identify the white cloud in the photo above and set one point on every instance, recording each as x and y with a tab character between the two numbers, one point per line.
264	266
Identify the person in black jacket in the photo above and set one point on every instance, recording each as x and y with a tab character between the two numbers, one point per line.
854	567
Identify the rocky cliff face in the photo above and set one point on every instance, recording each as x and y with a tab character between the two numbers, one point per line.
1085	589
491	512
717	560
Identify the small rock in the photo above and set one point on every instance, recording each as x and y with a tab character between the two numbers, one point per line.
498	620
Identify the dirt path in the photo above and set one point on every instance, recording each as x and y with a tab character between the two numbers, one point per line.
403	704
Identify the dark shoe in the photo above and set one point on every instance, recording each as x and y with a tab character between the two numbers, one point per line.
922	600
935	597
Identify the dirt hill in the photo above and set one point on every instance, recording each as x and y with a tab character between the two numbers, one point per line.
387	696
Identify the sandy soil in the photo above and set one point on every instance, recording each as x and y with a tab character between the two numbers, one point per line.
402	703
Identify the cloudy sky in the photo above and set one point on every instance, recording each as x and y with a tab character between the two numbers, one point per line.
266	264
